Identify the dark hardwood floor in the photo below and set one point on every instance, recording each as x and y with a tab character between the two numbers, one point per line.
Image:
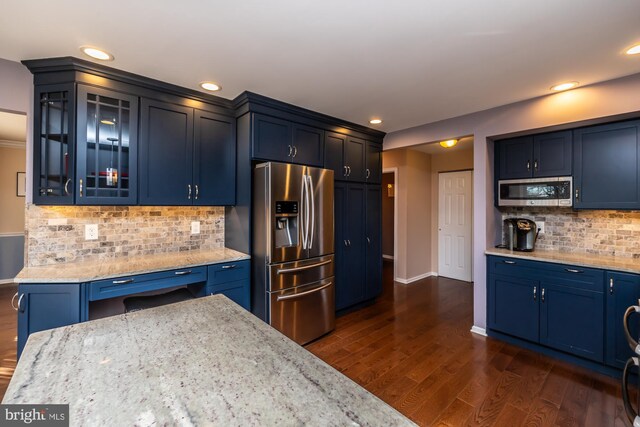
413	349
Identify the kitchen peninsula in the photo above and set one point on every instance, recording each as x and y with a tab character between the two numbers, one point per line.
204	361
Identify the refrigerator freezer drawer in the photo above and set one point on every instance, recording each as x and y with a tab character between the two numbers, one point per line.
304	313
298	273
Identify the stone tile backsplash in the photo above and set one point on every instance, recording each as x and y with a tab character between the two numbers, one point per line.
56	234
613	233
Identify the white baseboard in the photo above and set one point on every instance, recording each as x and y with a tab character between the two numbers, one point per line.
416	278
5	281
478	330
387	256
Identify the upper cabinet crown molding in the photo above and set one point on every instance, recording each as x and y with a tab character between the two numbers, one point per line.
253	102
71	65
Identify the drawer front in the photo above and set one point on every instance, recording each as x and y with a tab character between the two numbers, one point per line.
228	272
505	266
128	285
237	291
573	277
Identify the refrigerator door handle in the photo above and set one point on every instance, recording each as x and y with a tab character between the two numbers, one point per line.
307	204
303	268
313	212
303	212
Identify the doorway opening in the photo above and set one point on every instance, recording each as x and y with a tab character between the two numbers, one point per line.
389	217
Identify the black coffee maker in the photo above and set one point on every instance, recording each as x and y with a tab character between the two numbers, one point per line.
520	234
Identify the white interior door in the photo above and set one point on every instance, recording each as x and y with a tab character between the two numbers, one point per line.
455	224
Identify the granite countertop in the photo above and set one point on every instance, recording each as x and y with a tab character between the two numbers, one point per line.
199	362
86	271
629	265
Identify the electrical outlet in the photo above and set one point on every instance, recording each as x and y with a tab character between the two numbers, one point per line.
91	232
195	227
540	225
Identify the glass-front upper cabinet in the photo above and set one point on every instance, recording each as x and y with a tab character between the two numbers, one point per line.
106	147
54	145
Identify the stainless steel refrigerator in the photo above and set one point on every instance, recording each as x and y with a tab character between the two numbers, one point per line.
293	252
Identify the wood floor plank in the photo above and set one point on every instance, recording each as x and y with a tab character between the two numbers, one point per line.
543	413
455	415
488	411
510	416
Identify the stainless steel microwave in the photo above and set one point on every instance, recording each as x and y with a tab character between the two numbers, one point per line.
536	192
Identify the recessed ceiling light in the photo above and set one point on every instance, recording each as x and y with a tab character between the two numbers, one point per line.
96	53
210	86
375	121
449	143
633	50
564	86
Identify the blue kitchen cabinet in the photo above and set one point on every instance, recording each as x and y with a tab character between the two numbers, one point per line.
214	159
350	207
537	156
232	280
607	166
47	306
107	147
542	303
622	290
552	154
374	163
515	157
513	306
281	140
347	157
373	253
166	153
572	319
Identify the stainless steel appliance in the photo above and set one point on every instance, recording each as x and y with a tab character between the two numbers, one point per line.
632	413
536	192
520	234
293	250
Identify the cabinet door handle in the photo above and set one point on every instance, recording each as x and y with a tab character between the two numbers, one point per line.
348	170
182	273
611	286
345	243
290	150
573	270
368	240
197	191
66	186
349	242
509	262
295	151
20	309
535	165
122	282
577	194
226	267
345	171
528	165
368	173
189	191
535	293
80	187
542	295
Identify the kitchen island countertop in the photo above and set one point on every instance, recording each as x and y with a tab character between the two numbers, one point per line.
199	362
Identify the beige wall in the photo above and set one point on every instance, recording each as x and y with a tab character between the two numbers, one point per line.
413	193
448	161
12	160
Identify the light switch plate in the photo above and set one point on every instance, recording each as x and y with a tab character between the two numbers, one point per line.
195	227
91	232
540	225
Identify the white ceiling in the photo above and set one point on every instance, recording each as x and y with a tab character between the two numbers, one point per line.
13	128
410	62
463	144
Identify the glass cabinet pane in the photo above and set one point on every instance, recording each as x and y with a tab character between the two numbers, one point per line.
54	174
106	148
